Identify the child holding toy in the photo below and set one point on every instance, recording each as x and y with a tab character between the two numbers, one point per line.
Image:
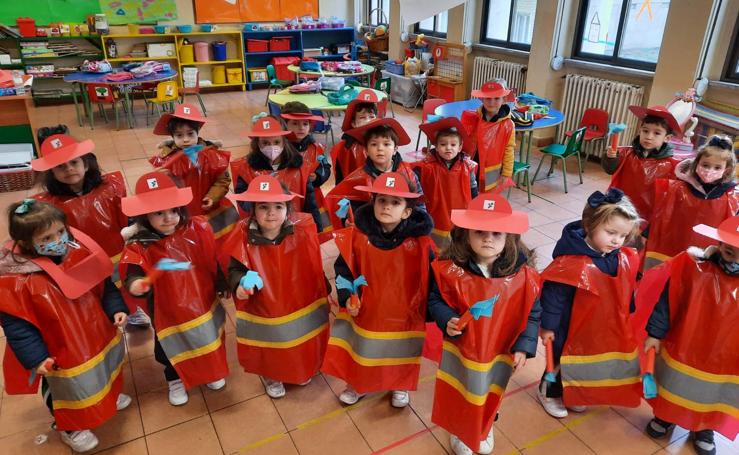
487	273
170	259
378	336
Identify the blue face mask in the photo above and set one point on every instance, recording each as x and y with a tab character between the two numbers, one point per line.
55	248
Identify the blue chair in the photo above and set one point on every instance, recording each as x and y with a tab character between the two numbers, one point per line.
274	110
324	127
562	152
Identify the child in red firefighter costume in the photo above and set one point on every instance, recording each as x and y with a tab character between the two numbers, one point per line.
485	262
692	328
381	139
704	192
60	321
196	163
348	155
494	134
587	297
636	168
300	121
282	324
271	153
187	314
447	174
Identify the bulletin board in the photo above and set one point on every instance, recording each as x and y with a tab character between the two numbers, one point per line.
224	11
121	12
46	11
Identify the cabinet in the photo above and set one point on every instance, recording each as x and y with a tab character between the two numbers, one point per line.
445	89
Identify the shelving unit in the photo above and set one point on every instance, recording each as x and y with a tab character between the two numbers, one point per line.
300	42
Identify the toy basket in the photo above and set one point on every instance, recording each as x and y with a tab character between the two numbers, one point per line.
15	167
378	43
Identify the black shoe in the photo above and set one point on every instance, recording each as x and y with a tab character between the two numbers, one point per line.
703	442
658	428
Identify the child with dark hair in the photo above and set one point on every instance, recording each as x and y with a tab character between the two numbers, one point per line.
349	154
300	121
196	163
636	168
59	316
170	260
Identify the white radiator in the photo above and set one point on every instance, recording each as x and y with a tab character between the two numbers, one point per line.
487	69
582	92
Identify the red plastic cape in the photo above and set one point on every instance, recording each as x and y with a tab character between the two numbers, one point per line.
296	179
491	139
464	405
348	159
282	329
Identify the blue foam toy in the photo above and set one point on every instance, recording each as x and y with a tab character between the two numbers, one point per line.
251	280
192	152
343	210
484	307
321	158
615	128
353	287
550	377
650	386
170	265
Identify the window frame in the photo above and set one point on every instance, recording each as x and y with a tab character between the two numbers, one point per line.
436	34
614	60
730	73
500	43
380	4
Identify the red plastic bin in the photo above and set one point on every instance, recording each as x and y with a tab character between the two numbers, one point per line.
279	43
257	45
281	64
26	26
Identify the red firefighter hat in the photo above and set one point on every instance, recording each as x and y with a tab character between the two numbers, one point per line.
431	129
365	96
58	149
358	133
727	232
265	126
490	89
391	184
491	212
155	191
264	188
302	116
657	111
185	112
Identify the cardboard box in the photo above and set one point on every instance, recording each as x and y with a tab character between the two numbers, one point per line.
160	50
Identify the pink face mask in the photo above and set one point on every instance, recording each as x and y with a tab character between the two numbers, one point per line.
271	151
707	175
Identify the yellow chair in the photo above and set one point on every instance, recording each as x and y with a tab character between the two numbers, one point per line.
167	95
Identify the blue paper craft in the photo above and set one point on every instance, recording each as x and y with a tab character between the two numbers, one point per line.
251	280
321	158
484	307
192	152
649	385
32	377
343	210
550	377
353	287
170	265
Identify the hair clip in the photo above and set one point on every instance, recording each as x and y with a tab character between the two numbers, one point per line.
25	206
721	141
256	117
612	196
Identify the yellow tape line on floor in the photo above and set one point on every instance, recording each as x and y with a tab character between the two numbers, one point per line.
553	434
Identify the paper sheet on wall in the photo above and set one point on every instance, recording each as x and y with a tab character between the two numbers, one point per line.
412	11
138	11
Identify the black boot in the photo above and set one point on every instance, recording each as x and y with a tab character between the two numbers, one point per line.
658	428
703	442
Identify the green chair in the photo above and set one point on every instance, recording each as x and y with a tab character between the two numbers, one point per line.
274	83
523	169
562	152
383	85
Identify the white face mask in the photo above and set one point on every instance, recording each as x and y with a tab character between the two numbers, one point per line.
709	176
271	151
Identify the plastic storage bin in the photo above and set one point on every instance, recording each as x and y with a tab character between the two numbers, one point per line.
219	74
279	43
234	75
219	51
394	68
403	89
257	74
26	26
186	54
201	51
281	64
257	45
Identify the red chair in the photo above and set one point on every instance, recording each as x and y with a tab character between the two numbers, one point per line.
103	94
596	122
429	106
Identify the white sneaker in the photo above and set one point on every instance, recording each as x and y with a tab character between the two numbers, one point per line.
122	402
139	318
488	444
79	441
400	399
577	408
554	406
306	382
217	385
274	389
177	393
459	447
350	396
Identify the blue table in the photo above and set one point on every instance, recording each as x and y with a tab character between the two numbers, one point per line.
81	78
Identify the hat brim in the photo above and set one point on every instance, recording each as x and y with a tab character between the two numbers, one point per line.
154	201
358	133
309	117
62	155
431	130
256	197
490	94
510	223
715	234
265	133
346	124
640	112
403	194
160	129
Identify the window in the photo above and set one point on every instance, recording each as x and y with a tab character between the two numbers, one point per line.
508	23
621	32
731	70
434	26
376	17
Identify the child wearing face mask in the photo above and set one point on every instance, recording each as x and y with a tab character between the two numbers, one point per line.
281	325
692	329
90	199
198	164
485	260
349	155
378	336
271	153
447	174
587	297
170	260
704	192
59	320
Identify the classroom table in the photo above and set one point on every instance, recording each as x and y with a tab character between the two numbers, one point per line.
81	78
314	101
366	72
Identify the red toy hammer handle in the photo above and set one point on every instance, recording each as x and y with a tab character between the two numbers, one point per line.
649	364
614	141
464	320
550	356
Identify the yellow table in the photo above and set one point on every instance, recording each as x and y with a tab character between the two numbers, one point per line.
314	101
366	72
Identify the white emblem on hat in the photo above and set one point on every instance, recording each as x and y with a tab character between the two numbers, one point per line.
390	182
264	186
488	205
186	110
265	124
56	143
152	183
367	96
